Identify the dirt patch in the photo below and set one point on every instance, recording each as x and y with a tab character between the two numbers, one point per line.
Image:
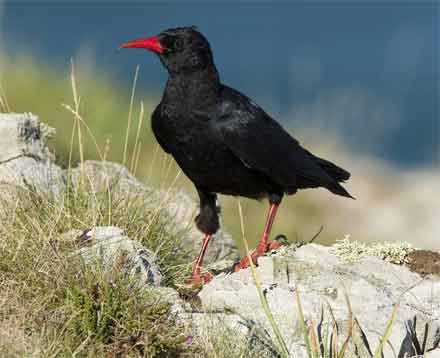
424	262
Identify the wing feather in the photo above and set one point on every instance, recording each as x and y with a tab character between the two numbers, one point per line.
262	144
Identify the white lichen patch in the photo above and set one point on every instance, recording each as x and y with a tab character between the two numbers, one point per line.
352	251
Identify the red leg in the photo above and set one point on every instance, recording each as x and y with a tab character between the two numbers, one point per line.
196	278
263	246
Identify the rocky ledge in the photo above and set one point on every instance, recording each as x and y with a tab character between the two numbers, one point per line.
336	295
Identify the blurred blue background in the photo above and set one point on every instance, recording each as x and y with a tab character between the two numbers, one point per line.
367	71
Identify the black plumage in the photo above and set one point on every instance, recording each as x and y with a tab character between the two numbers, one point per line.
223	141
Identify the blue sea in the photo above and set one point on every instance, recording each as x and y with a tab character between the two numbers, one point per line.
367	71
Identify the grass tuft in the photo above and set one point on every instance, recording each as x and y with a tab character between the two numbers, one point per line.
63	306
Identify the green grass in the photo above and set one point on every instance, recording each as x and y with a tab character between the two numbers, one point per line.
65	306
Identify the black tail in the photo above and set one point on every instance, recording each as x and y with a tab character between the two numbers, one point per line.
336	173
338	189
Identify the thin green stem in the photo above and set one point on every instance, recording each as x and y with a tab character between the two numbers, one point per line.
281	343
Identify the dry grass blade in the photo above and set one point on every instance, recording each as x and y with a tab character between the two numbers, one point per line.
360	339
281	343
2	105
4	101
168	170
333	344
89	131
379	350
314	340
106	150
72	140
136	141
334	341
130	111
79	120
138	154
314	237
163	166
75	112
153	160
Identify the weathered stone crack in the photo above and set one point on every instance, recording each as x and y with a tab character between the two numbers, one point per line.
38	159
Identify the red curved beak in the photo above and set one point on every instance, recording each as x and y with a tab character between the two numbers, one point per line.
148	43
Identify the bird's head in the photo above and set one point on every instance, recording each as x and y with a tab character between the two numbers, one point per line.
181	50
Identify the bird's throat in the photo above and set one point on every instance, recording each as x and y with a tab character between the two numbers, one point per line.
201	87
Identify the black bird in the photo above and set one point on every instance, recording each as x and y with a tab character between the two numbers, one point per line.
223	141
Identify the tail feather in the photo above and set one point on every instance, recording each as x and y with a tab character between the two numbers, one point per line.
330	178
337	174
338	189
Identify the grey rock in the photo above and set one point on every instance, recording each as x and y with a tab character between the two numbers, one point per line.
29	173
25	160
179	307
23	135
322	279
221	266
435	353
99	175
202	322
108	246
205	327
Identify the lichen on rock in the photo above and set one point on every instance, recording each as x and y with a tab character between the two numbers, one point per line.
353	251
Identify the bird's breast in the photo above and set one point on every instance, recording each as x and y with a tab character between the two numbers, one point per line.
188	140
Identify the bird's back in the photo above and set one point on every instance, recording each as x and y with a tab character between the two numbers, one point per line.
262	144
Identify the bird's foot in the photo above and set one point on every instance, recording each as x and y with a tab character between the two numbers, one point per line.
245	263
276	243
258	252
200	280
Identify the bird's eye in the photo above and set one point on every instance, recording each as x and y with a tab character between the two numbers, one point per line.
178	44
194	60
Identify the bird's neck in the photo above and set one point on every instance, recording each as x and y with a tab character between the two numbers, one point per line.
200	88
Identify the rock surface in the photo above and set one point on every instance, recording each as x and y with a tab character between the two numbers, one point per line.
373	287
322	279
25	160
108	246
23	136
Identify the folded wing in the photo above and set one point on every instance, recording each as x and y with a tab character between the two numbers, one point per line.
262	144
